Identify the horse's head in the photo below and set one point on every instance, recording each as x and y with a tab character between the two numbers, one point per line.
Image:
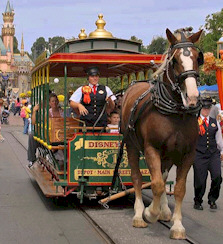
185	58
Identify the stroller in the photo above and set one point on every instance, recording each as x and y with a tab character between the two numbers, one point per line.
4	117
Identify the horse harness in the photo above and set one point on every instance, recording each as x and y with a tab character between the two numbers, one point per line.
162	100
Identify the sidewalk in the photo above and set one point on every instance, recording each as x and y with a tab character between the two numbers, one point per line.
14	120
15	127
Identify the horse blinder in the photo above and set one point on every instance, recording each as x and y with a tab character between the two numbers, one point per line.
200	59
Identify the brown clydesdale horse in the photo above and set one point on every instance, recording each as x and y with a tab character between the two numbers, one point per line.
165	130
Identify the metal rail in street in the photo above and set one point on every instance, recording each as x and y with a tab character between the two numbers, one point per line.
168	225
99	230
96	227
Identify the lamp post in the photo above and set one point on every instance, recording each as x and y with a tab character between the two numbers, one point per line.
219	70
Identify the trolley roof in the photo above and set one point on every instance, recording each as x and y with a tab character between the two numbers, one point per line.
110	65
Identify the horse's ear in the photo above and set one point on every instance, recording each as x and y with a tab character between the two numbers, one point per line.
195	37
170	36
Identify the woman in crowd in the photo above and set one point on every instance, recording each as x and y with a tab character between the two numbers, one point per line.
17	107
54	112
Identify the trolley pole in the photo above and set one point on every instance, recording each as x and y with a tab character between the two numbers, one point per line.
47	103
65	113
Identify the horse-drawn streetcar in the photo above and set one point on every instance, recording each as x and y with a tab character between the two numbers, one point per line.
158	122
89	158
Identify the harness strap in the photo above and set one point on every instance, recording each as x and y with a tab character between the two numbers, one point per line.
166	104
130	129
119	158
132	121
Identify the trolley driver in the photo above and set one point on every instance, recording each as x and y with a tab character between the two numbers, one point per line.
90	101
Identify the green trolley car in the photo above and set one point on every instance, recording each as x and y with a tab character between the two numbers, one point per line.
89	158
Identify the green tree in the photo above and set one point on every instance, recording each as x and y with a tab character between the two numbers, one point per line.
213	29
41	45
158	45
15	45
38	47
207	79
136	39
55	42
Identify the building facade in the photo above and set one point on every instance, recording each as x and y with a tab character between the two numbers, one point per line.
15	68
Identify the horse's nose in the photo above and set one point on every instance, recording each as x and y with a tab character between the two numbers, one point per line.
192	101
192	105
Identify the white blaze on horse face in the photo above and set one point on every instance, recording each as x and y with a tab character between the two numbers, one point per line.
191	93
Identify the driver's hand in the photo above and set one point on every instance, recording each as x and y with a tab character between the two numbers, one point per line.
82	110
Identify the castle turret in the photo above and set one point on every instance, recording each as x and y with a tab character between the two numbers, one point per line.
8	29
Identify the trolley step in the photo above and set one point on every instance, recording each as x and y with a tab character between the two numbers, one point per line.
45	181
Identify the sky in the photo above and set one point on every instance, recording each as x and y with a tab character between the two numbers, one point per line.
144	19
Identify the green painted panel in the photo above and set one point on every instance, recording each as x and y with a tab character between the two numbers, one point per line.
94	157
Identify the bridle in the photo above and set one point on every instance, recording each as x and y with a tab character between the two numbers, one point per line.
162	98
183	75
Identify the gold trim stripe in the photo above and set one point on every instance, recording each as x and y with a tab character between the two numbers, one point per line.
103	61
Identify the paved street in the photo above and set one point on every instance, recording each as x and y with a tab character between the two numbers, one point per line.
28	217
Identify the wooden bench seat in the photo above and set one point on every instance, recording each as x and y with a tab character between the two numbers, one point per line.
56	129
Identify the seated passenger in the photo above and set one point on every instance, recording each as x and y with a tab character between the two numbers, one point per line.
114	122
54	112
89	101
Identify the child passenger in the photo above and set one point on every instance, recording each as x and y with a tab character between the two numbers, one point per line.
114	122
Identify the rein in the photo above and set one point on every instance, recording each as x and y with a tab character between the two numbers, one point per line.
166	104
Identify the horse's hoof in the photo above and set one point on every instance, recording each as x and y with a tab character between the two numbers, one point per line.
139	223
179	234
148	217
165	215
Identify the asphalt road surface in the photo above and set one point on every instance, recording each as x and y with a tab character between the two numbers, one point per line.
26	216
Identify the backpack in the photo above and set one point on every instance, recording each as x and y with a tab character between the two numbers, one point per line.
23	113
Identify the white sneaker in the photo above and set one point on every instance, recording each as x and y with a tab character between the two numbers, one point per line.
1	138
30	164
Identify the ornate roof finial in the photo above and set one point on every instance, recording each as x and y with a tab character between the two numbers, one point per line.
100	32
8	8
82	35
22	47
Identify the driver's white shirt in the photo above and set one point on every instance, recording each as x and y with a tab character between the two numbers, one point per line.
77	95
